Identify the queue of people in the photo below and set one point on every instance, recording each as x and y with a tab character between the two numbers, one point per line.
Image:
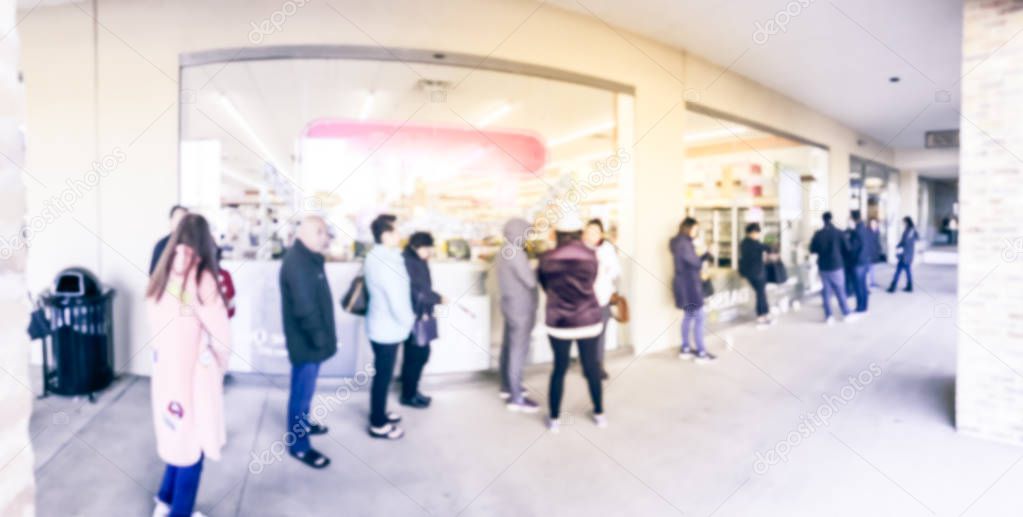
188	296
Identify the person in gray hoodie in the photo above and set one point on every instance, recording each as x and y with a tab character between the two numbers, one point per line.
519	300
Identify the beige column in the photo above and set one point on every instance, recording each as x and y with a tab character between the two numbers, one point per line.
989	383
17	492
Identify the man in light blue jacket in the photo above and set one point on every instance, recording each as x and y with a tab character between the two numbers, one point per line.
389	319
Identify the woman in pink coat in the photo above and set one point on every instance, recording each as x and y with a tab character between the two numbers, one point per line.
191	347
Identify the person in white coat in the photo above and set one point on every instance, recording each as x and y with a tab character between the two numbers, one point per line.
609	269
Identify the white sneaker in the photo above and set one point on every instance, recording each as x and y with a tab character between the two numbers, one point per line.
853	317
830	320
507	395
554	425
161	509
600	420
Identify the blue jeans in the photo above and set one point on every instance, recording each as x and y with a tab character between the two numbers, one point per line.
902	266
693	319
860	287
833	285
179	487
303	386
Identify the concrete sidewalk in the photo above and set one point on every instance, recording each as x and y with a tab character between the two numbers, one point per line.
798	419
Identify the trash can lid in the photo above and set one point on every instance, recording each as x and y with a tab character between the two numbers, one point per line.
76	282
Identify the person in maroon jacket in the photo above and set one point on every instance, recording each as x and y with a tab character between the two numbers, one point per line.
566	274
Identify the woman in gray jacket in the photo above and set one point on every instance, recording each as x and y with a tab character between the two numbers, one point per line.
519	299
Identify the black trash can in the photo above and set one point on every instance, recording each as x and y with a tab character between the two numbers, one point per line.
78	354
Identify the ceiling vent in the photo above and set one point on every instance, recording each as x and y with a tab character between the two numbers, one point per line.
944	139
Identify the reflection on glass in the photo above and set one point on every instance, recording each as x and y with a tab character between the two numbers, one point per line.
448	149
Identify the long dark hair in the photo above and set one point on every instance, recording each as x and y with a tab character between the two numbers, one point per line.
193	231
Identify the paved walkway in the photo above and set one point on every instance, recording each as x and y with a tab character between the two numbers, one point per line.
798	419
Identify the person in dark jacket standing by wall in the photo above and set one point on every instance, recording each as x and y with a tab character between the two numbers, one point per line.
875	235
752	253
177	213
906	248
864	253
828	244
519	301
688	289
567	274
416	255
308	313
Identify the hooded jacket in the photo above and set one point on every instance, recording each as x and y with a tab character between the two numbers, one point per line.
567	274
190	352
307	307
515	277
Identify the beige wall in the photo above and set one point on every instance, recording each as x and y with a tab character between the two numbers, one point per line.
139	45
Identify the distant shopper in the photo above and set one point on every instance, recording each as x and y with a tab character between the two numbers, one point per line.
687	286
389	319
953	230
424	299
519	301
608	271
878	256
226	283
828	244
849	257
177	212
863	244
752	254
567	274
906	249
190	355
308	314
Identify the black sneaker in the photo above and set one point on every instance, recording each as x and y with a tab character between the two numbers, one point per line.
686	353
704	358
315	428
415	402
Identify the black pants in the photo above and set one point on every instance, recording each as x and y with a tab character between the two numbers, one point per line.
591	369
412	367
759	286
384	355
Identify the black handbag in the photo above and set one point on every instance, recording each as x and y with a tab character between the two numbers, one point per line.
425	330
708	288
356	300
776	272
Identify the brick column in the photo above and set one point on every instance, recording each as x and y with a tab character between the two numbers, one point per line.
989	384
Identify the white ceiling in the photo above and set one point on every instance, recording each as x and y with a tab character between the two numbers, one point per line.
835	55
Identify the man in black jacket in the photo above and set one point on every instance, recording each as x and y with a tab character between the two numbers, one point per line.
308	313
828	243
864	255
177	213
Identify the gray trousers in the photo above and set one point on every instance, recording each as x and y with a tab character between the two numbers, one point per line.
514	353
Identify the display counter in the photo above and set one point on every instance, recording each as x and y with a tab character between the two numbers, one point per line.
464	328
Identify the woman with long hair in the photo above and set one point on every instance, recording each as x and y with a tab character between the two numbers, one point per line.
687	286
905	250
190	350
